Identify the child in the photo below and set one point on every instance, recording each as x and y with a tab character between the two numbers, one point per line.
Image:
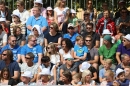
120	75
127	72
80	51
107	66
76	80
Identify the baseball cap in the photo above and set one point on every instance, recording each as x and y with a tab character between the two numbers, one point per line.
49	8
45	71
127	37
38	1
108	38
84	66
70	25
72	11
27	74
118	71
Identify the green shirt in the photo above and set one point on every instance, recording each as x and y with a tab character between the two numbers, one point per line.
108	53
73	21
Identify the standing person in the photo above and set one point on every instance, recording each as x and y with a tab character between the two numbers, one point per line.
15	48
33	47
7	61
5	12
36	19
39	4
24	14
60	13
50	15
106	23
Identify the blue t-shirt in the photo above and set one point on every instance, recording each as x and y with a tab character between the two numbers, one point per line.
13	66
37	49
16	50
41	21
124	83
72	38
80	51
102	72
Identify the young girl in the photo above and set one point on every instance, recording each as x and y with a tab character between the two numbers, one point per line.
50	16
5	78
86	78
53	54
76	80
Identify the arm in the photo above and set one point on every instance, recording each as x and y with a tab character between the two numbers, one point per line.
94	76
95	60
29	27
16	75
23	58
55	74
39	58
46	42
76	57
34	78
118	57
19	58
59	41
61	71
84	57
101	60
38	76
97	45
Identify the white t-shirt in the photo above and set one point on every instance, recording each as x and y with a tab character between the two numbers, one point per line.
61	14
61	51
3	38
55	58
23	15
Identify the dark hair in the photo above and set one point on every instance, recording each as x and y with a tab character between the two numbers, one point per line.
1	27
4	70
21	2
45	59
30	54
15	30
9	54
124	8
2	3
120	74
68	75
106	10
90	24
68	43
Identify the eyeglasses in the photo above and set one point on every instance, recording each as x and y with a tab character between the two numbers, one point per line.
33	40
87	40
4	54
34	30
13	40
71	28
51	27
88	28
27	57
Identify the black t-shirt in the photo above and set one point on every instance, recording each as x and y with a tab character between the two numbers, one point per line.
92	69
95	37
20	39
53	39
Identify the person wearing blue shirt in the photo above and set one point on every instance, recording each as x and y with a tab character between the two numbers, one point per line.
33	47
13	47
36	19
80	51
71	33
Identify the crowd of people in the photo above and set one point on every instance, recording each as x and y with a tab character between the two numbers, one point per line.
46	46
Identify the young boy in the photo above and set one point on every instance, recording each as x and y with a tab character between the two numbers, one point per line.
107	66
127	72
76	80
120	75
80	51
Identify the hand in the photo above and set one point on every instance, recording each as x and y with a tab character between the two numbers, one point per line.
72	82
121	24
115	83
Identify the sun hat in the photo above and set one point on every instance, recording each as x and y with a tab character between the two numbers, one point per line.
70	25
27	74
45	71
118	71
127	37
2	19
16	14
38	1
72	11
49	8
38	29
108	38
84	66
106	31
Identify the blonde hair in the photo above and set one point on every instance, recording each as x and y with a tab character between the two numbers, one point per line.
110	73
30	37
77	76
58	3
55	26
108	61
79	37
84	74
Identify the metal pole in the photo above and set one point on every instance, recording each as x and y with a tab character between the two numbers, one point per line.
13	5
84	3
71	4
75	4
112	5
67	3
25	4
54	2
96	4
50	2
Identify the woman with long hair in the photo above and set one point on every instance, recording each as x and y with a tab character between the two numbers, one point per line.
49	15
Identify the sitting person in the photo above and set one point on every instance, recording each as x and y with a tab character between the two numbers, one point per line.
127	72
49	15
30	66
76	79
45	78
5	78
120	75
36	31
107	66
45	63
80	51
71	33
108	78
26	78
87	78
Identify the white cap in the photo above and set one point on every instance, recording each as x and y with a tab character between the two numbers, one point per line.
16	14
127	37
72	11
38	29
49	8
38	1
45	71
70	25
27	74
84	66
118	71
106	31
2	19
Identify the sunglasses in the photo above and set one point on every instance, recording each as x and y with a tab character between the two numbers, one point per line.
87	40
88	28
51	27
70	59
4	54
27	58
71	28
33	40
